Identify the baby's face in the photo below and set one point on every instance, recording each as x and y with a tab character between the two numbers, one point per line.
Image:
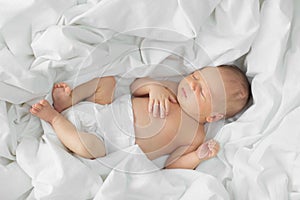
201	93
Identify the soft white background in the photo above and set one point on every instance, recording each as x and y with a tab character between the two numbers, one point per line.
46	41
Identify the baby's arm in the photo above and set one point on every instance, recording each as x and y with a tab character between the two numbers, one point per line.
190	157
142	86
161	93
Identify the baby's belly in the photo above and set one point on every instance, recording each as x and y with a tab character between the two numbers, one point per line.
155	136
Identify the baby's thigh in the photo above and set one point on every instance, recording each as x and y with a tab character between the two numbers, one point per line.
104	93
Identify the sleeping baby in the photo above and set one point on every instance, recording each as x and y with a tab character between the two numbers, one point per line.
161	117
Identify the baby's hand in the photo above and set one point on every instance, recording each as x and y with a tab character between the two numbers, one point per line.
208	150
159	101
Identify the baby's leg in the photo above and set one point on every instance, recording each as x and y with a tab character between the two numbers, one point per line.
83	144
104	92
98	90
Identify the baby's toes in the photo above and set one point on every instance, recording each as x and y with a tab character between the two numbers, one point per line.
37	106
56	85
63	85
68	90
44	102
33	110
60	85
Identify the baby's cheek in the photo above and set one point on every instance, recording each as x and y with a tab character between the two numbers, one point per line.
197	104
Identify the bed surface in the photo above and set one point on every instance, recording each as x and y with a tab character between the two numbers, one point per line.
44	42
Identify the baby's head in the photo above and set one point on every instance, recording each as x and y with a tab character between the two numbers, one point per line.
237	89
213	93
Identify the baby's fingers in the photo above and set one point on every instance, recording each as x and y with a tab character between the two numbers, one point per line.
156	109
167	107
173	99
162	110
213	147
213	152
150	105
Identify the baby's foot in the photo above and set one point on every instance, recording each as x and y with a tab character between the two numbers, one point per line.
208	150
44	111
61	95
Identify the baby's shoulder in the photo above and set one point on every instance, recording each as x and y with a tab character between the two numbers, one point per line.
193	132
199	135
193	139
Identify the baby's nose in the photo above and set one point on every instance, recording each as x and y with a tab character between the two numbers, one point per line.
193	85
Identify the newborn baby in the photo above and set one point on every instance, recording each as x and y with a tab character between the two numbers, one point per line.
162	117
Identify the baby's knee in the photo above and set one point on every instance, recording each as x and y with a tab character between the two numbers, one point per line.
90	147
90	152
96	149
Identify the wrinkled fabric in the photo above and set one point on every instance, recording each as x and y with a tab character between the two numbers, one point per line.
44	42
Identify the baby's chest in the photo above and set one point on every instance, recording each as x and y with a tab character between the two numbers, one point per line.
147	126
155	128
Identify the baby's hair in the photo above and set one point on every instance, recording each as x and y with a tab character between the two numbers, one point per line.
237	89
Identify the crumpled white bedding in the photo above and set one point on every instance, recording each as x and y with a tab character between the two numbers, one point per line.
43	42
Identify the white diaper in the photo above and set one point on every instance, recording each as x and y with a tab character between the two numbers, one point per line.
122	86
112	123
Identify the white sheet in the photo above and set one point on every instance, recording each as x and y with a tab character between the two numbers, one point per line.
43	42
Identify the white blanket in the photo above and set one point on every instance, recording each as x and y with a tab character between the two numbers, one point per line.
43	42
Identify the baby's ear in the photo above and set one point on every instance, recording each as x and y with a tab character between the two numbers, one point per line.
242	94
214	117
